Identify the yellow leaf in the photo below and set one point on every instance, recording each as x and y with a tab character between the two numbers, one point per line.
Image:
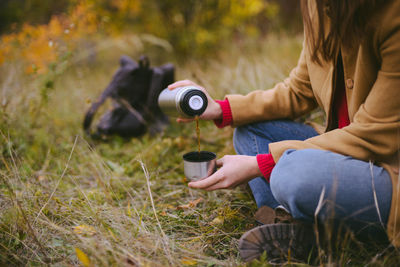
217	220
128	210
191	204
84	229
188	261
41	178
82	257
166	206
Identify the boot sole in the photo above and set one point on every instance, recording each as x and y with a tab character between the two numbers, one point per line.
282	242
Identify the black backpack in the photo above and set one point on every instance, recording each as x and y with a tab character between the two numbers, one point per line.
134	89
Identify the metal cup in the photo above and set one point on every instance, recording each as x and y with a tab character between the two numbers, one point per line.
199	165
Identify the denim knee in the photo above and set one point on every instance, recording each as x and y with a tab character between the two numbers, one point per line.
344	189
293	185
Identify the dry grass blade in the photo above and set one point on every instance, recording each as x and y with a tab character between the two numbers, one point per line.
31	230
59	180
371	165
317	210
320	203
164	237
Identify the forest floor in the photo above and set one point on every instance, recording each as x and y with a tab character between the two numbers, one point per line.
66	199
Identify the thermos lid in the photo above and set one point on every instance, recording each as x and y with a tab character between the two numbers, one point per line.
194	102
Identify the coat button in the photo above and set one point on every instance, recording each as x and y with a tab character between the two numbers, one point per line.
349	83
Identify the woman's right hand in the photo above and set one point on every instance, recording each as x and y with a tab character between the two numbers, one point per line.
213	110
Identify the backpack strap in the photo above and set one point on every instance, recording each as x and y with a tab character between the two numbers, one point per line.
95	106
131	109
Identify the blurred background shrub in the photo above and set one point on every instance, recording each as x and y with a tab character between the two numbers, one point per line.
46	32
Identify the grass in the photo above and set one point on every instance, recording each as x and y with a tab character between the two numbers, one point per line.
128	198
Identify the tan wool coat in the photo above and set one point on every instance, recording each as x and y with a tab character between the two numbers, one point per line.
372	82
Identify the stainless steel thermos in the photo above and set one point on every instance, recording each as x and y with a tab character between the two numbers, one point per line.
187	102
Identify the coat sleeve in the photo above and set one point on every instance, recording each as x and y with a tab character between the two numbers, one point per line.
374	133
289	99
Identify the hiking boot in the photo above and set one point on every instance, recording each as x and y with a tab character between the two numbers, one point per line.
283	216
282	242
267	215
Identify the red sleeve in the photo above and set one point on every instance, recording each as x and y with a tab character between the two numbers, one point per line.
226	114
266	163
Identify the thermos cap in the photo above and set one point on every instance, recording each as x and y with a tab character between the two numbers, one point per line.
196	102
192	101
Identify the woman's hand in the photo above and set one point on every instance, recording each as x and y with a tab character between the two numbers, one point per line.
213	111
234	170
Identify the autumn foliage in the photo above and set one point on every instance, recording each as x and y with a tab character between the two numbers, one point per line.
191	27
42	45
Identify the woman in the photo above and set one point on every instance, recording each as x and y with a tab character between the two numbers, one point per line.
348	173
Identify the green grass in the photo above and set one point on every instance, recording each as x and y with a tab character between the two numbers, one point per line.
128	192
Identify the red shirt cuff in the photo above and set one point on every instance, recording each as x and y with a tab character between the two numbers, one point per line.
226	114
266	163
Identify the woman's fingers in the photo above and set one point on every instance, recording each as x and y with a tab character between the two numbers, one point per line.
215	181
220	162
213	110
215	187
207	182
181	84
234	170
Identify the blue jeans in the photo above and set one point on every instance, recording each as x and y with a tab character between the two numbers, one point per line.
313	183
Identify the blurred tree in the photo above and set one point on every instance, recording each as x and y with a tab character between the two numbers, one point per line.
44	32
289	17
13	13
195	27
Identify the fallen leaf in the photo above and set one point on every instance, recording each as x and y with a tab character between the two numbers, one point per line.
41	178
128	210
82	257
166	206
132	262
217	220
188	261
84	229
191	204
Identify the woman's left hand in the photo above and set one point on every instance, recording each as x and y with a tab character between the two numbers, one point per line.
234	170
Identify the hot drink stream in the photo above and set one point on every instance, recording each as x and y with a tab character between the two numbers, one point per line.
198	133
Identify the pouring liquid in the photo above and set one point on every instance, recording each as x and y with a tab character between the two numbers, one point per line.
198	133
